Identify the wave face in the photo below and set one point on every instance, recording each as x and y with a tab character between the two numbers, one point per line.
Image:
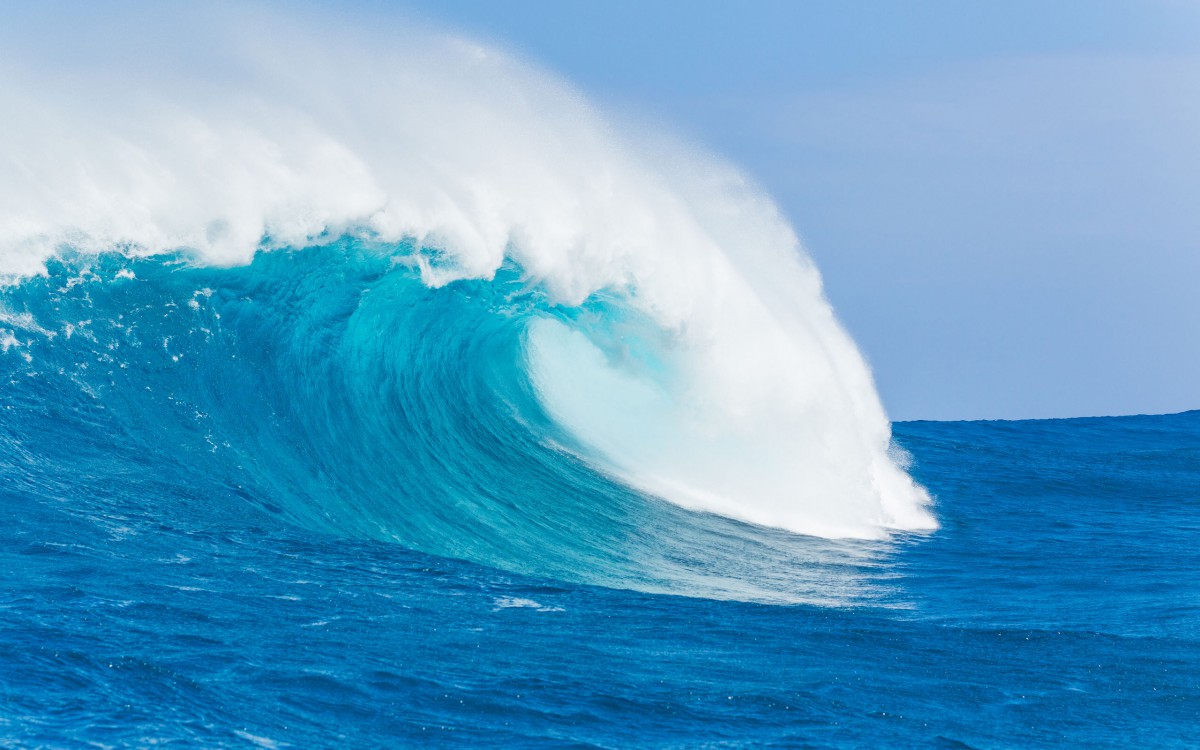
331	387
411	288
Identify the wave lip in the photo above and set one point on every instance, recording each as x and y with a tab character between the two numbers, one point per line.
685	344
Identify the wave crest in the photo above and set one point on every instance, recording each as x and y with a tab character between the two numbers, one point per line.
684	344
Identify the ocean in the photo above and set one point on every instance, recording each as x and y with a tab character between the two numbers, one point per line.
364	386
309	502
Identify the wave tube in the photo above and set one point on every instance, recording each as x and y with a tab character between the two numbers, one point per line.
659	324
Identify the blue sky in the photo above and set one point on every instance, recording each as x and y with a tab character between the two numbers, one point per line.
1004	198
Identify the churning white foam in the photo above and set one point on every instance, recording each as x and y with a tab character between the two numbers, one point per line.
227	131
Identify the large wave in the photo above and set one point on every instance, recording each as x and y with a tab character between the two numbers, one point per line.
468	311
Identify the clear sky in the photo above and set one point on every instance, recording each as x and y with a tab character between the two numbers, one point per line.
1004	197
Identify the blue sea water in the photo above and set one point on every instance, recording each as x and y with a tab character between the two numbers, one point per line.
310	502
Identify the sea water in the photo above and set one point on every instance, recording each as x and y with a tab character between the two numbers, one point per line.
364	386
209	541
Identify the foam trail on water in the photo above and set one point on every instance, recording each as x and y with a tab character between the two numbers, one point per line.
695	356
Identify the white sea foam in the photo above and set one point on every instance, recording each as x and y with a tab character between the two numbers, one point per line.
511	602
259	129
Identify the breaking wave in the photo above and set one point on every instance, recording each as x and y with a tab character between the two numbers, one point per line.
409	287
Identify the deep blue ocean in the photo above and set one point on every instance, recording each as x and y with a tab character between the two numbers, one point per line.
311	503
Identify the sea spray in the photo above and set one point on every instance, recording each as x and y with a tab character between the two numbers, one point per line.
264	132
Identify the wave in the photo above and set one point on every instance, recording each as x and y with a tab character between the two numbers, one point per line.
426	292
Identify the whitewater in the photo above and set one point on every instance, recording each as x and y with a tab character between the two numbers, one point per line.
363	385
718	377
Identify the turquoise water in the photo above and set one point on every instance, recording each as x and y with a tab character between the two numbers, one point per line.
310	502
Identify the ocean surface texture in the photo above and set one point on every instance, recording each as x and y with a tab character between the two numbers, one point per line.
312	501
